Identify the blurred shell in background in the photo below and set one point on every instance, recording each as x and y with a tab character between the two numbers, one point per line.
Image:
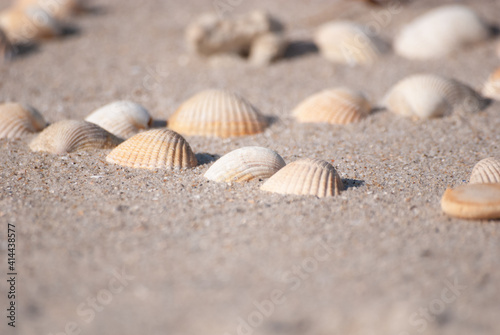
440	32
17	120
486	171
491	88
59	9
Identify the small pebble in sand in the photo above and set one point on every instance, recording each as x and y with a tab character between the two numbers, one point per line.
121	118
336	106
72	135
245	164
491	88
440	32
486	171
217	113
472	201
305	177
154	149
256	34
425	96
346	42
17	120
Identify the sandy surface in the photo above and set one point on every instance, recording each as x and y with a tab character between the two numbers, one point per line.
201	257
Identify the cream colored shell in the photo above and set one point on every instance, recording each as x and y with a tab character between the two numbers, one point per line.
121	118
305	177
154	149
348	43
486	171
491	88
25	25
71	135
335	106
245	164
472	201
217	113
440	32
425	96
18	120
59	9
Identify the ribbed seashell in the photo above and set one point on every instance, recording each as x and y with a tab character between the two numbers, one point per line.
425	96
121	118
440	32
348	43
491	88
245	164
154	149
217	113
335	106
305	177
6	48
486	171
71	135
25	25
59	9
17	120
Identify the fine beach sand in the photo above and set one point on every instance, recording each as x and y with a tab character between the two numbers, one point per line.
207	258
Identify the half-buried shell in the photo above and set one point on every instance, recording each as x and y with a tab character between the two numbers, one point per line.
425	96
154	149
336	106
472	201
25	25
217	113
486	171
60	9
305	177
71	135
245	164
17	120
492	87
121	118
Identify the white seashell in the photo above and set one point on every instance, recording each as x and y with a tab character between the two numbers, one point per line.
71	135
245	164
267	48
25	25
121	118
486	171
336	106
217	113
424	96
440	32
305	177
348	43
154	149
17	120
491	88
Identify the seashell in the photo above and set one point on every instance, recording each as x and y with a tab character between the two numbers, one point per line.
267	48
6	48
491	88
121	118
17	120
472	201
59	9
335	106
71	135
217	113
245	164
425	96
305	177
486	171
28	25
154	149
348	43
440	32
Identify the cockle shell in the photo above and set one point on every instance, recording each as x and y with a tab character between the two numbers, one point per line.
17	120
491	88
217	113
486	171
425	96
59	9
154	149
335	106
472	201
25	25
305	177
6	48
245	164
348	43
121	118
440	32
71	135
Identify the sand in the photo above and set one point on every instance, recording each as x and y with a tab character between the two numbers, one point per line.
103	249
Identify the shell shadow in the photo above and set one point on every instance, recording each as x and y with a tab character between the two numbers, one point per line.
206	158
271	120
70	30
158	123
23	50
299	49
352	183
